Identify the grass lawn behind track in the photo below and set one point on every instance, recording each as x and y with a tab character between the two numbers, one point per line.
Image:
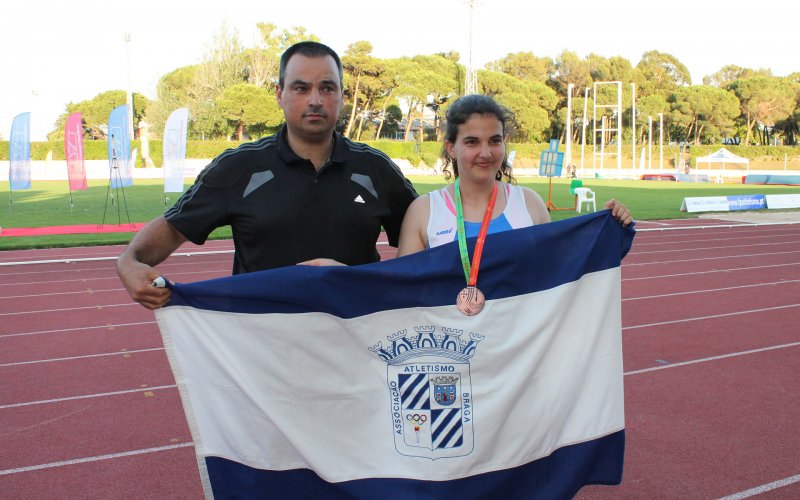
48	204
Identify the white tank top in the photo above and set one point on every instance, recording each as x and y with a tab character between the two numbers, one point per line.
442	218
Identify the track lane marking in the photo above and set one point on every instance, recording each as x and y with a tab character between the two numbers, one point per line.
683	261
713	316
111	271
711	290
114	257
712	358
672	250
711	271
84	460
763	488
114	277
85	356
76	329
21	313
87	396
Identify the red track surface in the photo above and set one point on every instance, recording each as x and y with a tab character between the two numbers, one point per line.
711	351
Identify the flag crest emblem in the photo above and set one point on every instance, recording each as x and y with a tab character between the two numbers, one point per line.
430	390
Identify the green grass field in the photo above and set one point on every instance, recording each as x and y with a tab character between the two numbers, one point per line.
48	204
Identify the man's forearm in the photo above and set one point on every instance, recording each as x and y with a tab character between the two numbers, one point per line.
154	243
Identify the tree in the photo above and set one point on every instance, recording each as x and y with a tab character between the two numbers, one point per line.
390	122
95	112
660	73
390	81
420	77
531	103
650	106
525	66
569	68
443	89
245	104
358	64
173	92
764	100
790	127
263	60
614	69
702	109
224	63
730	73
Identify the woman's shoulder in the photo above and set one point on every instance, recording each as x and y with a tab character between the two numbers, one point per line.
535	205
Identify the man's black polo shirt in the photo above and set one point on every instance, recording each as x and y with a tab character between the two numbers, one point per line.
282	211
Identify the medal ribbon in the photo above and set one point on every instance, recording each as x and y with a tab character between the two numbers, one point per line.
471	272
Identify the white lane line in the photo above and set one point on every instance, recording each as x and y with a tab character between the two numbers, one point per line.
727	246
58	270
86	356
88	291
740	236
700	249
710	290
77	329
713	358
87	396
713	316
716	226
98	306
99	259
84	460
725	270
114	277
763	488
683	261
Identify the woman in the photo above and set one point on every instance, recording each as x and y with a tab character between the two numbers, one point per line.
474	147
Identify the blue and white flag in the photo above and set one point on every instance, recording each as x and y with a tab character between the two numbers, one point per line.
119	148
174	151
19	154
367	381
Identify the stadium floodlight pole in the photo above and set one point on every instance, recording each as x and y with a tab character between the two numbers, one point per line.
568	138
129	98
472	74
633	124
661	141
584	122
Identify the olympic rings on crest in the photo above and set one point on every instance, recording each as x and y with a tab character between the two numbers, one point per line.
416	417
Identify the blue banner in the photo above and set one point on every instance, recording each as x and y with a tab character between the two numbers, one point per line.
747	202
119	148
174	150
19	153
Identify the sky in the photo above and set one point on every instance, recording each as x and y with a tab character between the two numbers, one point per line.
57	51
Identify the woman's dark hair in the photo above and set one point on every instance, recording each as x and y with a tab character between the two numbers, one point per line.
308	49
458	113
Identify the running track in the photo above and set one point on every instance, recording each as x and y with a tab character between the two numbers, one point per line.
89	409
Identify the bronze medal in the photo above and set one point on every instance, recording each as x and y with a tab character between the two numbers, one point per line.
470	301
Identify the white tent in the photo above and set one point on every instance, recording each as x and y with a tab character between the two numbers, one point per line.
722	156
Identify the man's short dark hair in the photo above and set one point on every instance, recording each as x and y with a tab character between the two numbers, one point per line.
309	49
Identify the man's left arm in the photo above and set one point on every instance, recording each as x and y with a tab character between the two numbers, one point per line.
398	193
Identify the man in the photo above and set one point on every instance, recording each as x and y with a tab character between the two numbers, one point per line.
306	195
